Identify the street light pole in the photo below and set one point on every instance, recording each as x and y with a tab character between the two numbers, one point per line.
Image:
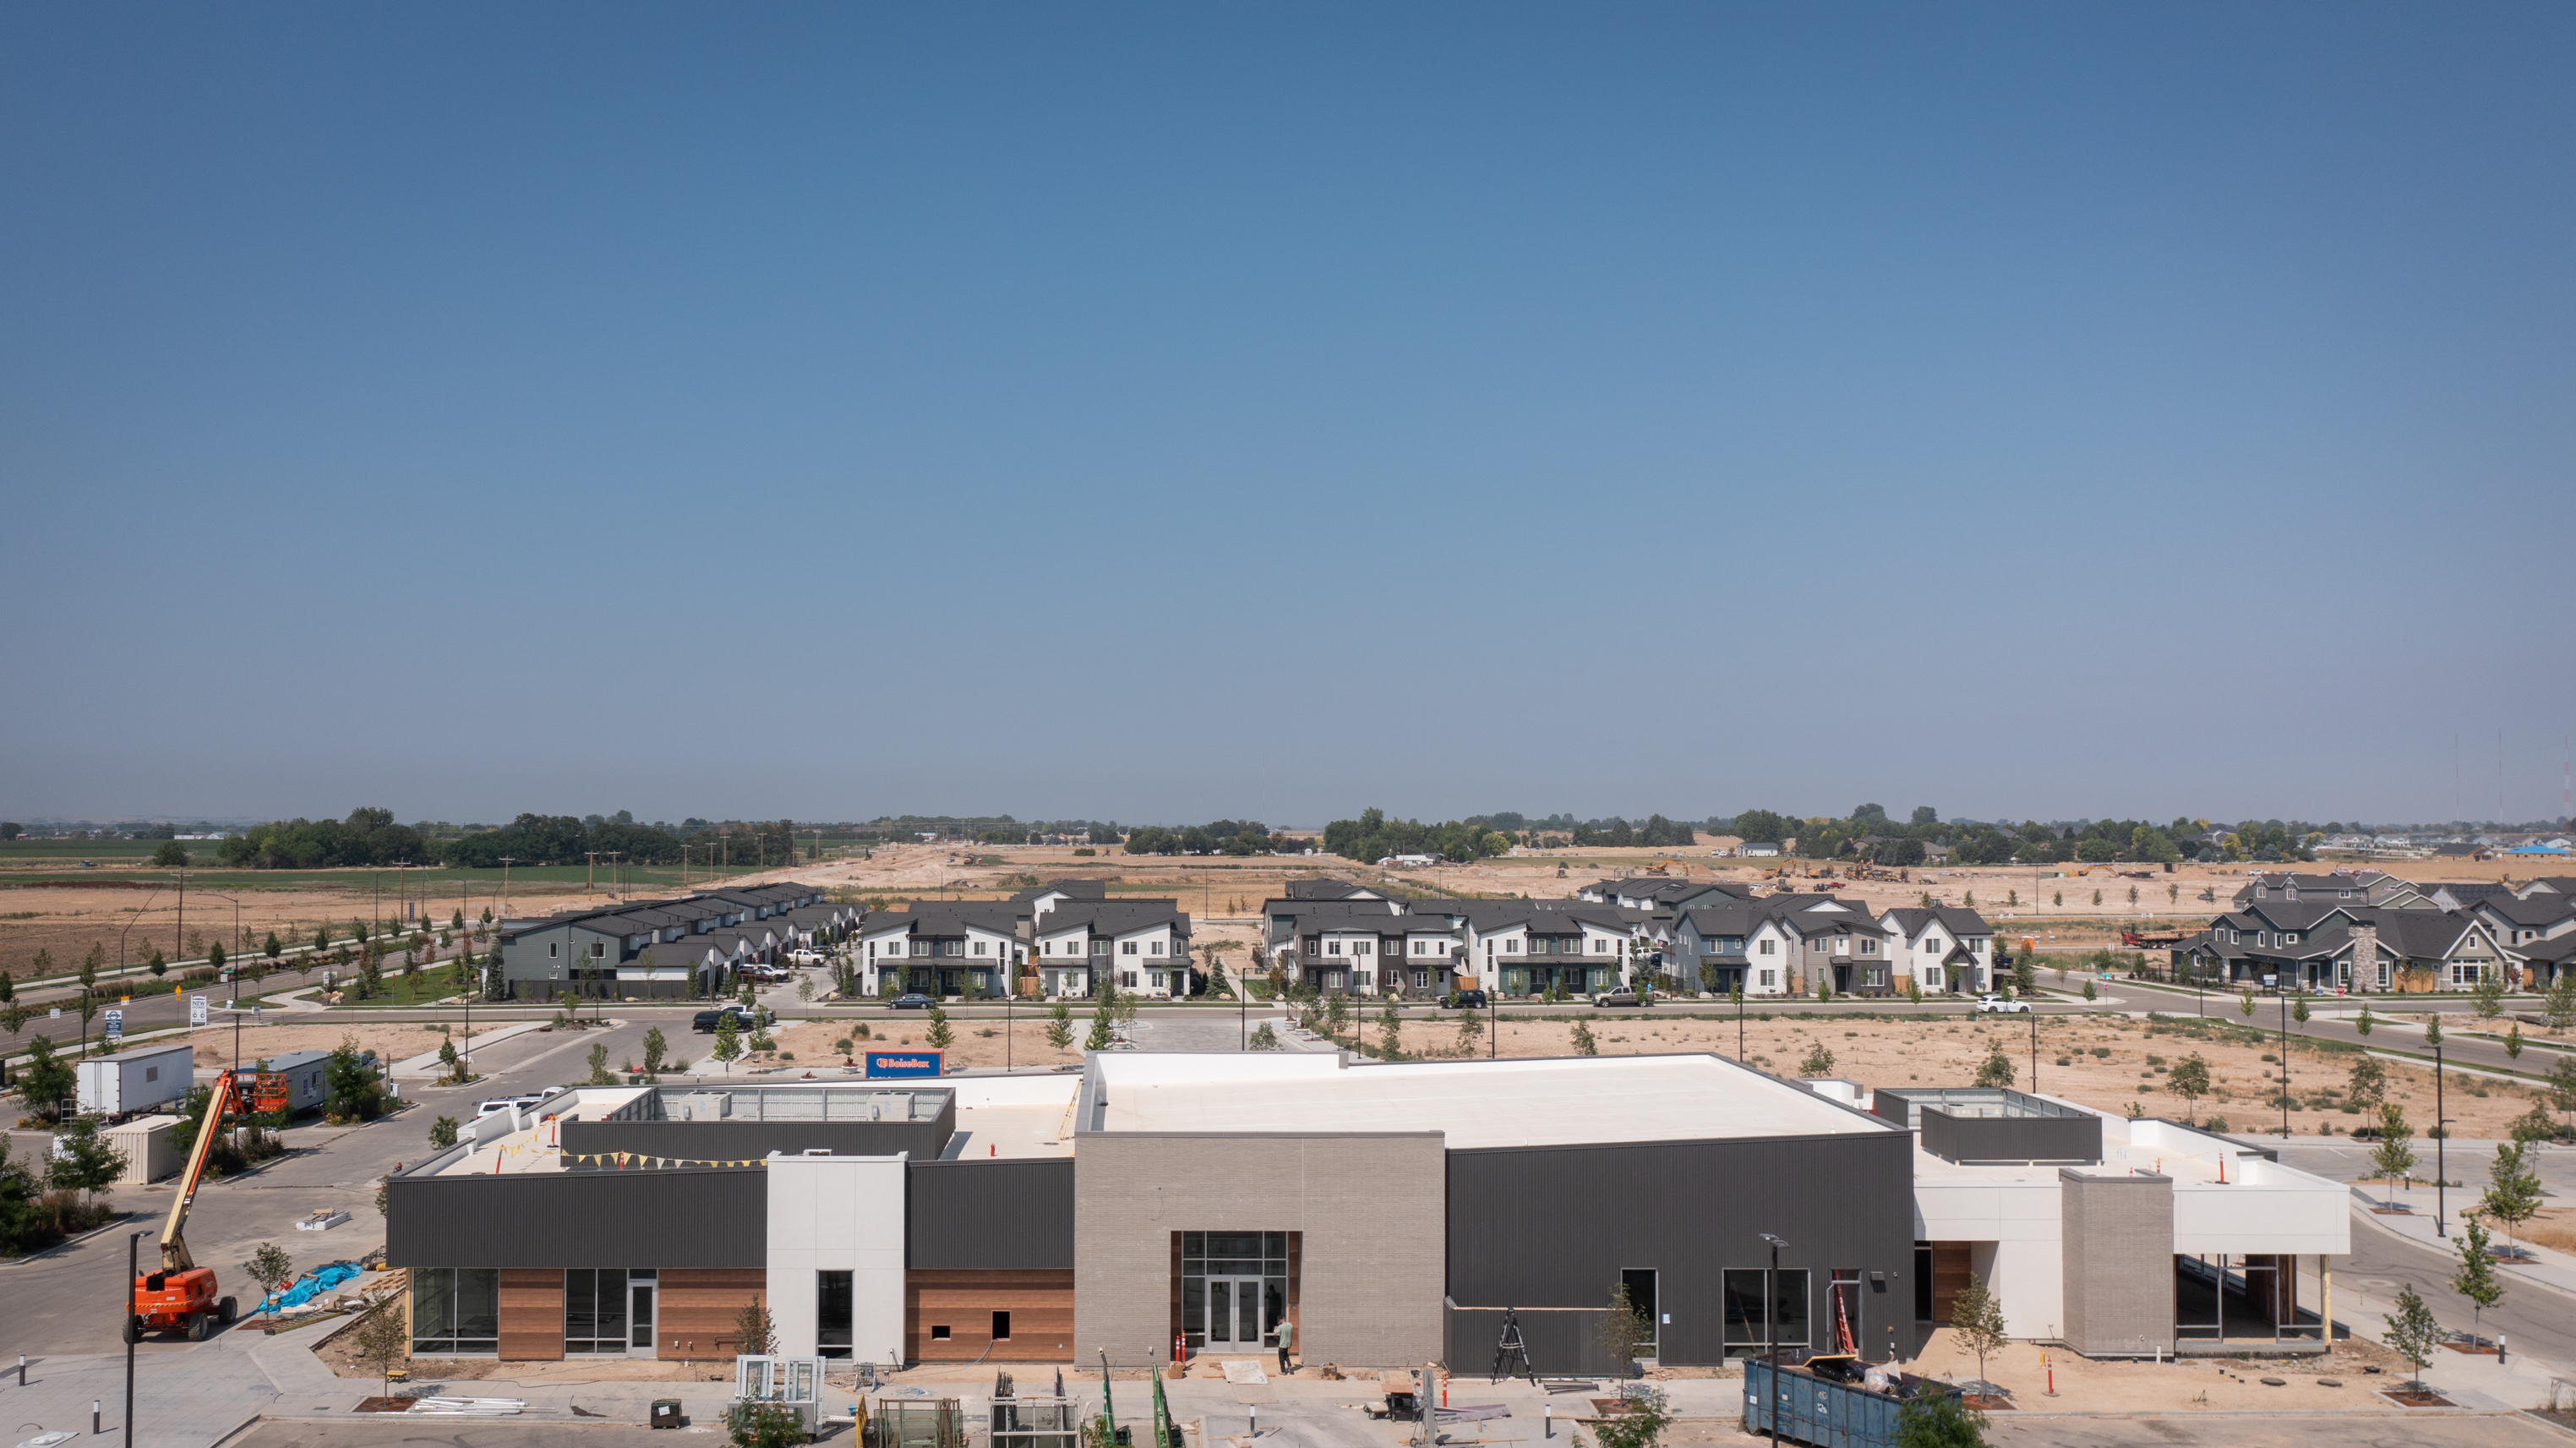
2441	1139
2285	1065
133	1267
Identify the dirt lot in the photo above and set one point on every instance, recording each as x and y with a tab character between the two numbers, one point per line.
391	1041
2109	1062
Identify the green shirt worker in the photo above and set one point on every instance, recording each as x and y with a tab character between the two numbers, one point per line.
1287	1339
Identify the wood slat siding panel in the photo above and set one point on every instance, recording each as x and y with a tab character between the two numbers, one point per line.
532	1313
1039	1300
698	1306
1950	1272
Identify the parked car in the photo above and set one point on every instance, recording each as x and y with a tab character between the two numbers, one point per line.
1472	1000
807	956
494	1106
706	1020
1617	996
1995	1005
913	1002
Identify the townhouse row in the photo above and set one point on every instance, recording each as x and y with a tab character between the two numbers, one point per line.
1060	940
2366	931
691	945
1692	935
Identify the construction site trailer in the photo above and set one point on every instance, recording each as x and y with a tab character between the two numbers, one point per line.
150	1147
132	1082
293	1083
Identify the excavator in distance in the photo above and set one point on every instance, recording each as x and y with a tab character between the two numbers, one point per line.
182	1296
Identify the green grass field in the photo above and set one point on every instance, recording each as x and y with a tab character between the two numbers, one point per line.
49	851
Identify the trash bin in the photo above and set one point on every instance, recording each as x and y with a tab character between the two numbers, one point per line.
666	1413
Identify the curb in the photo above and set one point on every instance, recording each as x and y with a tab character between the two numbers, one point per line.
112	1224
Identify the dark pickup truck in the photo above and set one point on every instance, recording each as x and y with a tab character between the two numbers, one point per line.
706	1020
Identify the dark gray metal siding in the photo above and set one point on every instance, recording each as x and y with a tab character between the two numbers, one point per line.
752	1140
991	1214
678	1218
1554	1227
2011	1138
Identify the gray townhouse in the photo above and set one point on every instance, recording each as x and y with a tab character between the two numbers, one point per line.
645	949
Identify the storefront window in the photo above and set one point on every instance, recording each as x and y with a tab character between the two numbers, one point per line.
455	1311
1750	1310
595	1310
1234	1288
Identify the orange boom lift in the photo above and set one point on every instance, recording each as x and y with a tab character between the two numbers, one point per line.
182	1296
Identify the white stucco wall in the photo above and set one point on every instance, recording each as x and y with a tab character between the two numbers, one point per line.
838	1213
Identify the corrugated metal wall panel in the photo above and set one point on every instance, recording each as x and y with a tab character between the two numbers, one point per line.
580	1219
986	1215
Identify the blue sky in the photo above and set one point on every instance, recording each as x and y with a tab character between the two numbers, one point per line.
1166	413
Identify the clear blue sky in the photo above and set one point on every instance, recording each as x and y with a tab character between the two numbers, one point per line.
1165	413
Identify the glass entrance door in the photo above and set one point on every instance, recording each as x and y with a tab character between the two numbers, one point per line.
639	1318
1234	1314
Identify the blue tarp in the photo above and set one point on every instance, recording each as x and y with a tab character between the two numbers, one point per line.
306	1287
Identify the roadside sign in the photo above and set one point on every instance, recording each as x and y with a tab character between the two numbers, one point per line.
196	1010
55	1014
889	1065
115	1023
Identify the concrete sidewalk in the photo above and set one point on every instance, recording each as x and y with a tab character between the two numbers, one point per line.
2547	1268
187	1398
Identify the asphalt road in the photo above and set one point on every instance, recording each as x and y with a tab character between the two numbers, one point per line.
71	1300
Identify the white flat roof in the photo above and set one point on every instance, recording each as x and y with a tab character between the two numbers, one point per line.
1564	1102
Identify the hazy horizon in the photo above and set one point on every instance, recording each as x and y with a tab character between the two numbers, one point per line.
2037	411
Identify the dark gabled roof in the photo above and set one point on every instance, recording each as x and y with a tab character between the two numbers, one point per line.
1285	905
1116	918
1721	920
2304	913
2469	892
2552	950
946	917
2535	910
2420	933
1956	919
2563	885
1503	914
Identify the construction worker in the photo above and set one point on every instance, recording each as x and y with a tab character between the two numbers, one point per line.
1287	1340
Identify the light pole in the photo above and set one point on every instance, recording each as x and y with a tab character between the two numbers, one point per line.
1771	1324
2034	1048
133	1271
2441	1139
2285	1065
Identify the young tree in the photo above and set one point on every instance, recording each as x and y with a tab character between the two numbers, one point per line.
2486	997
2245	1003
2476	1278
1104	1019
656	1048
599	1075
2513	1189
2433	1029
2025	975
1997	1069
2299	1008
1059	1030
2562	1086
1263	1038
2189	1079
2413	1332
1337	1014
1624	1333
2368	1085
2513	1042
45	1081
84	1161
755	1332
2090	993
1640	1423
942	1035
2363	1023
2394	1157
1819	1062
383	1339
1584	1045
442	1132
1390	1031
728	1042
2558	1007
271	1268
353	1092
1471	1029
1978	1321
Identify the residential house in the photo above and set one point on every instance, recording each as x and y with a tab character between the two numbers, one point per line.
1141	946
961	948
1946	948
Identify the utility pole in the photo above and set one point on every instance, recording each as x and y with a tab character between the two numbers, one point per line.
506	861
613	857
590	870
2441	1139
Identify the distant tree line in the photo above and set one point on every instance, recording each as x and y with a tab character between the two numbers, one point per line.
1221	837
369	836
1867	833
1374	837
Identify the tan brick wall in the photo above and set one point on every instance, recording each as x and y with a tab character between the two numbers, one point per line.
1372	1211
2117	1240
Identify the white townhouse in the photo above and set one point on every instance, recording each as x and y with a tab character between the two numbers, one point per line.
1143	948
1525	947
961	949
1946	948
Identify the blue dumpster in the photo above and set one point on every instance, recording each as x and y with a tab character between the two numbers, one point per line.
1823	1411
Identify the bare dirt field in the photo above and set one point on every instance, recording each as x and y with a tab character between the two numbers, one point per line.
2106	1062
390	1040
